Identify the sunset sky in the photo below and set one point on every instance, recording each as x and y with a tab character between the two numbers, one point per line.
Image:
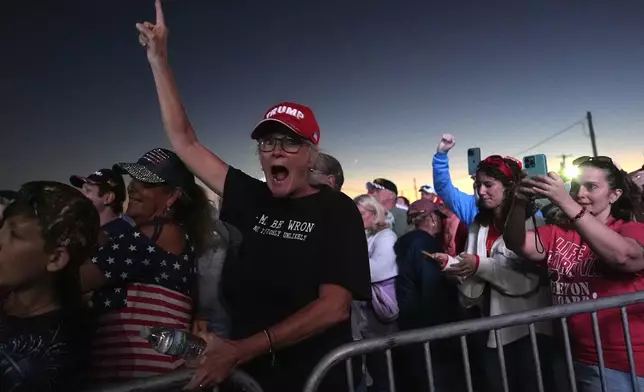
384	78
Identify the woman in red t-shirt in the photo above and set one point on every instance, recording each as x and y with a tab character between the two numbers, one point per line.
595	250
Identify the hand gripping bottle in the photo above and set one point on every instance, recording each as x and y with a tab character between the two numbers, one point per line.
174	342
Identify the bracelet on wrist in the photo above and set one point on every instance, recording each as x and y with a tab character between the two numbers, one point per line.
271	349
579	215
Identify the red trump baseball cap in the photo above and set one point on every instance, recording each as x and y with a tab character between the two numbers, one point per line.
298	118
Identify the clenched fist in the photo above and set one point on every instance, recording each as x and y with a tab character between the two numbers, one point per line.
447	143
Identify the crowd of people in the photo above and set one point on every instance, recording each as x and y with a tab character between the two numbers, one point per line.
284	270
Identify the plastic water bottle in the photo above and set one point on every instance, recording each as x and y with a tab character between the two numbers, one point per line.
174	342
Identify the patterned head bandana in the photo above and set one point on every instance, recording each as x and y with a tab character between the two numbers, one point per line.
66	217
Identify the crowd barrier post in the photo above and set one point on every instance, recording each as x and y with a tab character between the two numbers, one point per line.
495	323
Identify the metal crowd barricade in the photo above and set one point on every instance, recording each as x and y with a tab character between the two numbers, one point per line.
175	381
463	328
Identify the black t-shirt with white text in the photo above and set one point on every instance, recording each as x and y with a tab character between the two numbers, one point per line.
290	247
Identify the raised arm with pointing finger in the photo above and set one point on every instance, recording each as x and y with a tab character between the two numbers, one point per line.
207	166
288	293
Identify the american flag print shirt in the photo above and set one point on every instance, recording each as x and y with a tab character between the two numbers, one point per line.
148	286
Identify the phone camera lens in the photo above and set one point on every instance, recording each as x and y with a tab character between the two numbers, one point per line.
530	163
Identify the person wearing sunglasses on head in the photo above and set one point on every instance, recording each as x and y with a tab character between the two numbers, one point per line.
303	257
595	249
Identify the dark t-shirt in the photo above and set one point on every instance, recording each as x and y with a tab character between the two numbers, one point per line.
290	247
44	353
116	227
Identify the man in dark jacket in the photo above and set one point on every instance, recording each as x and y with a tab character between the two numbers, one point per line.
426	298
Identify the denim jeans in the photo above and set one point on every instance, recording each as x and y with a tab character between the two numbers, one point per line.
588	379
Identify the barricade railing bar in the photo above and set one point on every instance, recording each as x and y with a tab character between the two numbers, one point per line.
495	323
175	381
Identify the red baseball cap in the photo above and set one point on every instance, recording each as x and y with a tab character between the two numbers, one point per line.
422	206
298	118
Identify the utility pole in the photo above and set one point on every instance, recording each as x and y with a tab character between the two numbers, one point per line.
563	161
415	191
591	131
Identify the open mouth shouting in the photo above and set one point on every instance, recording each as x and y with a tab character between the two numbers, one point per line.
279	180
279	173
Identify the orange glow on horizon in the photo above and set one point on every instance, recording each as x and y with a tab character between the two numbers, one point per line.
356	186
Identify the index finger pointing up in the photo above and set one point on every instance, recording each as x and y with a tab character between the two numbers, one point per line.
159	8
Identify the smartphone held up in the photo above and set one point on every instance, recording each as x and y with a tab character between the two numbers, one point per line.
473	160
535	165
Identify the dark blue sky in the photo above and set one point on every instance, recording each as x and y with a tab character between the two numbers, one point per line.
384	78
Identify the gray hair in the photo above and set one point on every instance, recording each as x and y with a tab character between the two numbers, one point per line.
329	166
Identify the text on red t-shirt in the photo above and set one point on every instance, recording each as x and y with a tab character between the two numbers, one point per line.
577	274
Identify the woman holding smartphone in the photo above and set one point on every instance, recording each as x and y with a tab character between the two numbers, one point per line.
594	250
494	281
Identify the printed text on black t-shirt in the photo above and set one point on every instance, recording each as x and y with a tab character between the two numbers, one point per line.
291	230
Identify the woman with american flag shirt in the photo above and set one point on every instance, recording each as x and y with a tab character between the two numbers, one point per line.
144	275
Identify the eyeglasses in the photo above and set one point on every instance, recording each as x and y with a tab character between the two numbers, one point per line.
288	144
586	159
